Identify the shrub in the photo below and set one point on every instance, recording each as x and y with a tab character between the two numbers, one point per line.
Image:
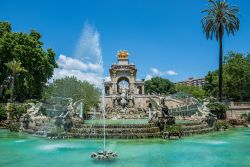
233	122
31	101
16	111
236	122
174	129
3	115
221	124
218	108
246	117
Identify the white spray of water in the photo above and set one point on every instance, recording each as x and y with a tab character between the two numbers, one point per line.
87	63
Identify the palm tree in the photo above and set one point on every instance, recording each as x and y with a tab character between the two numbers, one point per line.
220	17
16	68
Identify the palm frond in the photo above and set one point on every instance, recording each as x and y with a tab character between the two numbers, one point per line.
15	66
220	18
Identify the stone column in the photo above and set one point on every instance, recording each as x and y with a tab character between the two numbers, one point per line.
114	85
132	83
110	90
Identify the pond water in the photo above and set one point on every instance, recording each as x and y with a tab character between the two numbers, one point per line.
222	149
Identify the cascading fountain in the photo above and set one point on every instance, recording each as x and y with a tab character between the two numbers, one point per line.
81	110
104	154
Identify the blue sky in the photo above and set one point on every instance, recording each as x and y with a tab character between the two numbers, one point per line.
160	35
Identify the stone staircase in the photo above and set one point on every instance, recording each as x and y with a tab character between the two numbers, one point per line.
128	131
194	128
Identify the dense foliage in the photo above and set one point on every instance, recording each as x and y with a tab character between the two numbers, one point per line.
16	110
194	91
174	128
38	63
15	68
218	108
3	115
222	125
159	85
246	116
236	78
70	87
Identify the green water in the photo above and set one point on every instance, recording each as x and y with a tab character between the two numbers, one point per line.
222	149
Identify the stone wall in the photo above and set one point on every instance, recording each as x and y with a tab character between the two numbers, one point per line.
236	113
108	101
141	101
236	109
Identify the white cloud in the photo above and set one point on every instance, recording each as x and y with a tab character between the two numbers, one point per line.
83	76
148	77
156	72
70	63
171	72
87	63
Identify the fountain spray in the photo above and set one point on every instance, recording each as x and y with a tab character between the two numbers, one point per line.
103	114
104	155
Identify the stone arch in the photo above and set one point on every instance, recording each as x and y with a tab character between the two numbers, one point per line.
121	81
139	90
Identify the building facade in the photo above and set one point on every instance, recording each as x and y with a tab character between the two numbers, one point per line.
123	77
192	82
123	82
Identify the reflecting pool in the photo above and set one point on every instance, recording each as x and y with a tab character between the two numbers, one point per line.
230	148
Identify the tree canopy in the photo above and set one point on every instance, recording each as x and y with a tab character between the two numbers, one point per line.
236	78
159	85
218	108
70	87
194	91
27	49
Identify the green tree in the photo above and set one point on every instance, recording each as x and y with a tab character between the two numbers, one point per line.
16	68
159	85
28	49
3	115
218	108
5	27
70	87
196	92
220	18
236	78
211	84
